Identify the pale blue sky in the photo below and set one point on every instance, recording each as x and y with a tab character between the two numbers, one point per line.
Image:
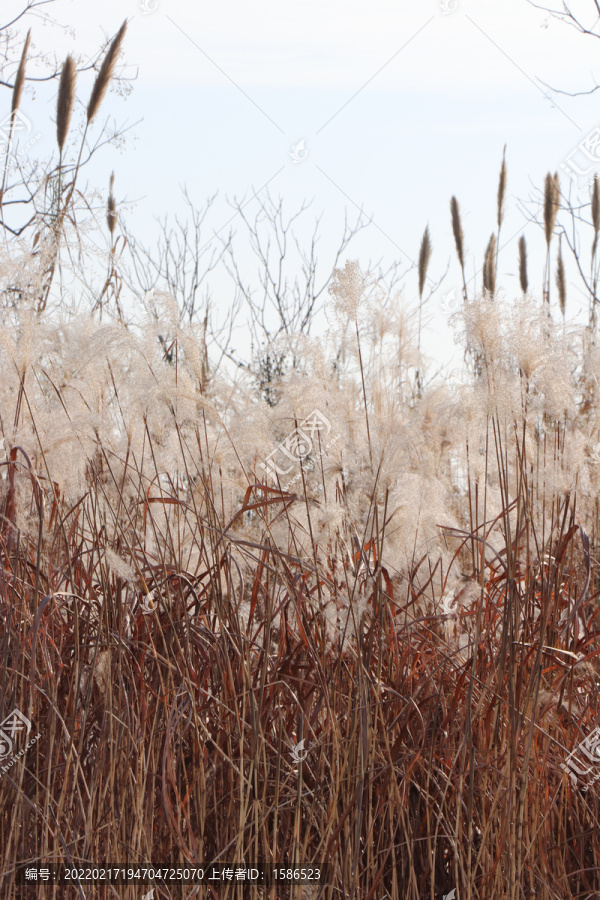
400	105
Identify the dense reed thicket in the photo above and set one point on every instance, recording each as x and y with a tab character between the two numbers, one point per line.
416	600
398	576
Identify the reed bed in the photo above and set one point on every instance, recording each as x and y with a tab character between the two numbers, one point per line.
411	596
423	616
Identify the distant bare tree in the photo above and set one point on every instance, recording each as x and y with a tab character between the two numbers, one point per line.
183	259
179	264
286	302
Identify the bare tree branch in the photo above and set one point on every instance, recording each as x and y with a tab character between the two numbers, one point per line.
176	265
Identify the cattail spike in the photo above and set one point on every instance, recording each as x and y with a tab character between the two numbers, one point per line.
489	267
457	230
66	98
596	205
424	257
111	209
551	205
105	74
523	264
20	79
501	189
561	284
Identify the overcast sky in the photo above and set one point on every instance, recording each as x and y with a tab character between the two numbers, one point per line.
392	108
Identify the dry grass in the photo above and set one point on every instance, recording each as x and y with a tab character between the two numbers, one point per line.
420	606
436	725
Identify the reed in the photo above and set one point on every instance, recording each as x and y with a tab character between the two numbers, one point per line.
424	257
111	207
500	200
523	264
561	284
17	94
489	267
459	241
595	204
413	604
99	89
501	192
105	75
66	99
551	205
19	84
551	208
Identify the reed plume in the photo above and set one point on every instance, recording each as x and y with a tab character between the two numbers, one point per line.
105	74
501	190
489	267
111	210
424	257
551	205
500	202
596	224
561	281
595	213
20	79
66	98
523	264
457	230
16	100
99	89
458	238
